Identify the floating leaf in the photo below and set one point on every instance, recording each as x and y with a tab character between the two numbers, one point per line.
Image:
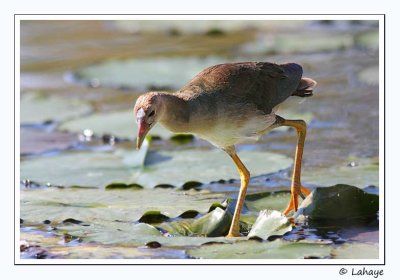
369	39
269	223
162	168
121	124
362	175
214	224
252	249
178	167
342	202
370	75
97	205
267	200
139	73
298	43
37	109
356	251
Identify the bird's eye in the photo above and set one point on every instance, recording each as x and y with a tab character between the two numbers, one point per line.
152	113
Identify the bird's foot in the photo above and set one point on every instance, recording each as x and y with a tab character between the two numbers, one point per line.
293	203
233	234
234	231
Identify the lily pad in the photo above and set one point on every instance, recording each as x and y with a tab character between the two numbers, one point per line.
298	43
356	251
121	124
369	39
214	224
269	223
99	206
50	247
267	200
37	109
140	73
203	26
340	202
251	249
362	175
165	167
85	169
178	167
369	75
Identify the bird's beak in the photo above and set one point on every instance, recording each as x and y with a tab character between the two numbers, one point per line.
143	129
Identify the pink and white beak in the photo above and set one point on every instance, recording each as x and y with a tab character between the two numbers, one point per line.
143	128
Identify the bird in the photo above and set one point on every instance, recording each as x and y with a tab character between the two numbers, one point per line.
229	104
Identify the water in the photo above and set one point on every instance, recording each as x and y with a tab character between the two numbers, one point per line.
104	66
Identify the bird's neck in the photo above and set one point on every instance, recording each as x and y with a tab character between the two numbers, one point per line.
175	113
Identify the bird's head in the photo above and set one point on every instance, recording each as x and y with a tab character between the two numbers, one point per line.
147	112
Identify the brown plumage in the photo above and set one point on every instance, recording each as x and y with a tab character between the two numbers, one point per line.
228	104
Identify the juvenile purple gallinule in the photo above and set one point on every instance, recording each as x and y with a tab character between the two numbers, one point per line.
228	104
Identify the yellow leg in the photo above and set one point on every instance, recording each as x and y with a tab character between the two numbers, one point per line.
244	182
296	188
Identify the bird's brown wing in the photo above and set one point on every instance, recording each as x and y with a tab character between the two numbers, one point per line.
261	83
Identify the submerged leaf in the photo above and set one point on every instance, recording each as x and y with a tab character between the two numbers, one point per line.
269	223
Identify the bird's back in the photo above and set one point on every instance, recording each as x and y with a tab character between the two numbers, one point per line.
262	84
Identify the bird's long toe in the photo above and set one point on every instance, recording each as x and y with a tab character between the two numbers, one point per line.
294	198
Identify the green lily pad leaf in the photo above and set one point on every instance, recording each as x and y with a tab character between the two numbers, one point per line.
35	141
86	169
252	249
356	251
298	43
267	200
121	124
176	27
341	202
370	75
165	167
269	223
178	167
214	224
37	109
98	206
369	39
108	233
362	175
139	73
34	245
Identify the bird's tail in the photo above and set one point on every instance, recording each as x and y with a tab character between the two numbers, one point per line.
305	87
